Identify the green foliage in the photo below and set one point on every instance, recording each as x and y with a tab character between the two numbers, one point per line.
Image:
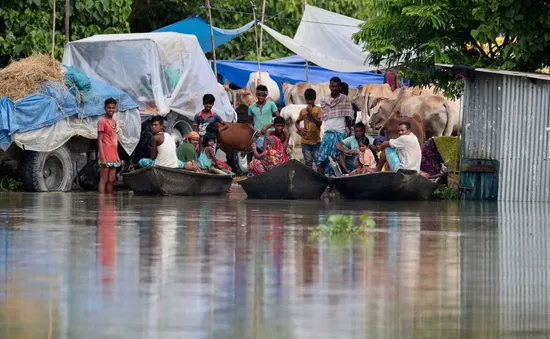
448	149
444	192
281	15
338	224
149	15
26	25
422	33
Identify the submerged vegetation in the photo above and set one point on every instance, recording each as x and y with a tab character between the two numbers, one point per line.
446	192
338	224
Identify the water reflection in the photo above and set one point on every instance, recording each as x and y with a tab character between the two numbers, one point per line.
79	265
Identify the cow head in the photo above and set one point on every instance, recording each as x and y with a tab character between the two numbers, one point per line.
381	112
244	97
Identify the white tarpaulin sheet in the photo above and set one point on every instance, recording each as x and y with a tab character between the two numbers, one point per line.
52	137
324	38
163	72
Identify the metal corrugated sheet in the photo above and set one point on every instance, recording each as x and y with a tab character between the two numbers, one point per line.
507	118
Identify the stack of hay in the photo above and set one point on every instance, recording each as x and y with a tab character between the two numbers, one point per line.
26	76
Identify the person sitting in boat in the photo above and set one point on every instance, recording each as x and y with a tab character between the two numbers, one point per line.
278	131
365	160
163	152
260	114
408	149
349	147
206	116
212	129
187	152
207	158
272	156
380	154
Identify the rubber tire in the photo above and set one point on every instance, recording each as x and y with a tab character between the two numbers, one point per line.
32	170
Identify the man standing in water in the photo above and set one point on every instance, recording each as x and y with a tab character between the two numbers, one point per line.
408	149
335	108
107	143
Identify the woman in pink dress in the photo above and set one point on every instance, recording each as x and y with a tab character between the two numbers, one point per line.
107	145
272	156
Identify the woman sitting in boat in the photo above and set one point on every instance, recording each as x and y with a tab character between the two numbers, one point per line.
365	162
272	156
163	152
188	151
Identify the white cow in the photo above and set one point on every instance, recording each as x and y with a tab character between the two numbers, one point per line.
272	88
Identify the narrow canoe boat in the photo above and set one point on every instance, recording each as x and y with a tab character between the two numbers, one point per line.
155	180
291	180
385	186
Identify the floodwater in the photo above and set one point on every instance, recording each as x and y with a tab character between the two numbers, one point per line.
81	266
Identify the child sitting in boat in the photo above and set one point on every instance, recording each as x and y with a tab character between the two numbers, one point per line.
272	156
278	131
365	160
207	158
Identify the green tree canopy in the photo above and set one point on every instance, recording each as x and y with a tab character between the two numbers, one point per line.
420	33
26	25
282	15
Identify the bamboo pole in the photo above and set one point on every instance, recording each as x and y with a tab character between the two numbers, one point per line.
256	34
67	22
304	3
212	38
261	40
53	32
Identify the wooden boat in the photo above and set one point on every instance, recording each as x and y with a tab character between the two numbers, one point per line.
385	186
291	180
155	180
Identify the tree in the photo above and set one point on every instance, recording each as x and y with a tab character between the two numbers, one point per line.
26	25
282	15
149	15
418	34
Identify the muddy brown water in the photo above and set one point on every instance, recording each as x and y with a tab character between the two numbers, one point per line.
81	266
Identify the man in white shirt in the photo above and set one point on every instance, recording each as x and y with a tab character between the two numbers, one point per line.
407	147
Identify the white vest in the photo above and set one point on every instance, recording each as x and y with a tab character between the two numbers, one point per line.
166	153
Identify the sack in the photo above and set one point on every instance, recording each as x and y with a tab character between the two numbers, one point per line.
392	159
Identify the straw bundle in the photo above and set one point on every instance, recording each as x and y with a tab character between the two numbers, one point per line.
25	76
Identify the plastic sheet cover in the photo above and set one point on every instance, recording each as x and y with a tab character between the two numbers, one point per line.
163	71
55	103
201	30
52	137
324	38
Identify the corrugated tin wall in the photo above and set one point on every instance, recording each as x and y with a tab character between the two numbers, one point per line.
507	118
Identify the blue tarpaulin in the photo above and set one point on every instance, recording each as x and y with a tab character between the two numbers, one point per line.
199	28
53	104
238	73
293	59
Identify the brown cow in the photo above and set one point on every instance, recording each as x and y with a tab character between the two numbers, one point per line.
391	127
237	137
240	97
